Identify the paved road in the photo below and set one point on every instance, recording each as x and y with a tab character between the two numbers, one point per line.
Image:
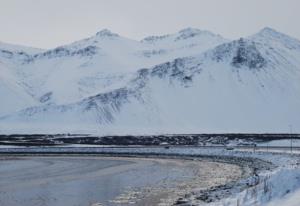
92	149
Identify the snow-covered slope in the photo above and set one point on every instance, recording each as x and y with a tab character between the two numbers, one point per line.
13	54
18	48
247	85
13	96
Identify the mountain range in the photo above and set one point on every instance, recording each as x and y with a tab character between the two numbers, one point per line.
193	81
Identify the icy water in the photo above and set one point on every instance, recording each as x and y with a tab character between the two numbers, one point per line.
83	181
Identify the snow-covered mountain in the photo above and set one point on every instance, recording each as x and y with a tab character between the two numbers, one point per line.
110	84
100	63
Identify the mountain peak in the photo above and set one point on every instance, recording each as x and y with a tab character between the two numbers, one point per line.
268	31
268	34
106	33
183	34
192	32
189	30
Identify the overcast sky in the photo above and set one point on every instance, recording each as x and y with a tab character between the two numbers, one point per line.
50	23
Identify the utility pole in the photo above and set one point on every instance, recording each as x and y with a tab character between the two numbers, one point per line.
291	130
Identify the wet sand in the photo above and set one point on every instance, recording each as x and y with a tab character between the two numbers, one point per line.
95	181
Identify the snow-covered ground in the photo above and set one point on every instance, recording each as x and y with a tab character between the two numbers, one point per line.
292	199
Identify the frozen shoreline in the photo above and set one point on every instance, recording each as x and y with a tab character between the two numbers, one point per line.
261	189
37	180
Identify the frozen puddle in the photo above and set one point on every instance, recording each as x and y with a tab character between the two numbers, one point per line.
97	181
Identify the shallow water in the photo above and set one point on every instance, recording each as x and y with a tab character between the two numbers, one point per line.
81	181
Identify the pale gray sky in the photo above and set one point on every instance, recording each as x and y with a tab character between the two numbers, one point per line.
50	23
